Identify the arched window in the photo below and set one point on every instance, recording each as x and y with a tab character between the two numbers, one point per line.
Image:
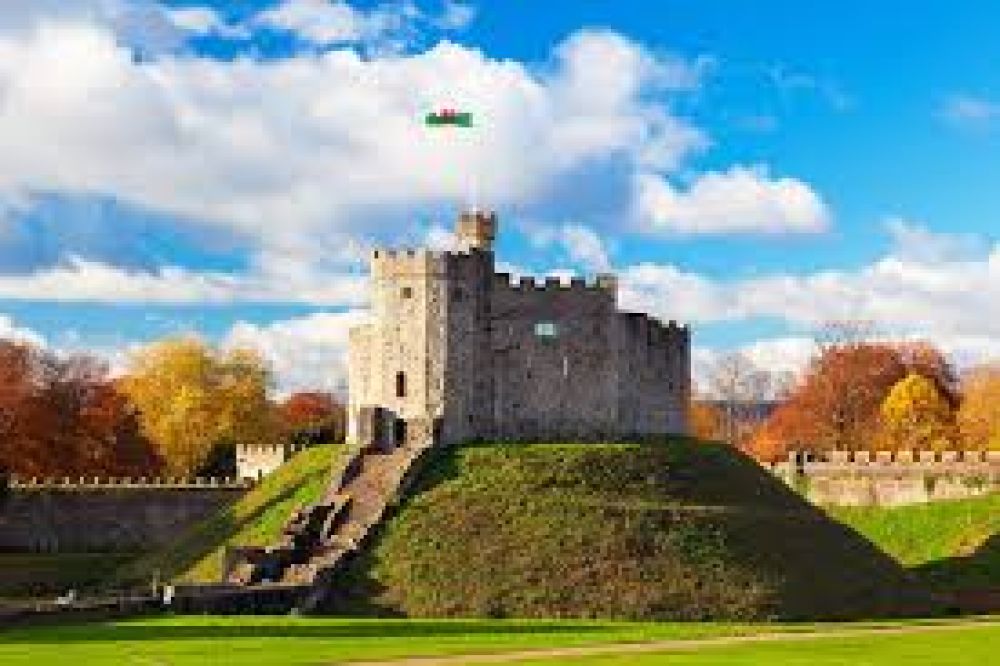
400	384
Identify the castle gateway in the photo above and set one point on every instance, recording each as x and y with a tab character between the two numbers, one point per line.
455	351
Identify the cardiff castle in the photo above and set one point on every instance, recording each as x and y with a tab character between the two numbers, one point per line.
455	351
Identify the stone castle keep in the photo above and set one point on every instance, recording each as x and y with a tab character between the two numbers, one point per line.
455	351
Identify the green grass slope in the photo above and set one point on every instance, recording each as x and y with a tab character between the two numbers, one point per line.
950	544
672	529
255	519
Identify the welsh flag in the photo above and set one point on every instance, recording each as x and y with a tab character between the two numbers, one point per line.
448	118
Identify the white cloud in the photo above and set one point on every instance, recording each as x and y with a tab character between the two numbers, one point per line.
305	353
914	242
970	112
740	200
942	296
581	245
82	280
299	149
205	21
9	330
455	16
387	27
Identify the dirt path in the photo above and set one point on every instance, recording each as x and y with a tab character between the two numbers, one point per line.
678	645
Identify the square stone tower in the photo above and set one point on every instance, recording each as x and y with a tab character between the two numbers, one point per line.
453	351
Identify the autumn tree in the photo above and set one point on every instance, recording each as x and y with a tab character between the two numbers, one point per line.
705	420
314	416
979	415
63	417
917	415
195	402
837	402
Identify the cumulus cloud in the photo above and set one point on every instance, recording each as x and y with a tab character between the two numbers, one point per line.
581	245
9	330
740	200
939	295
82	280
330	22
305	353
305	145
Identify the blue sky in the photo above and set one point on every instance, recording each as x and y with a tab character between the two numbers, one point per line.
754	169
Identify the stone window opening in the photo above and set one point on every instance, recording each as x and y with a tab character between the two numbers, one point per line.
400	384
546	329
406	292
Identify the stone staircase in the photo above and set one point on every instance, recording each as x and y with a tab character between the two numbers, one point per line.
318	539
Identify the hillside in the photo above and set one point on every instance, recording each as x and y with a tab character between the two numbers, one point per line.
255	519
673	529
951	544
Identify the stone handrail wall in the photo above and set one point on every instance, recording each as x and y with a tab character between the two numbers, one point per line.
943	458
889	478
139	483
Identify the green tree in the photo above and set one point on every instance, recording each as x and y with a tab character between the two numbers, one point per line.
917	415
193	401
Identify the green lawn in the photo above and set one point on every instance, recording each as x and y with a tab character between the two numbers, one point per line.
277	640
970	645
950	543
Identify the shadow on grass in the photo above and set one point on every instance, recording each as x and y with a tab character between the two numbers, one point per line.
981	569
341	630
203	538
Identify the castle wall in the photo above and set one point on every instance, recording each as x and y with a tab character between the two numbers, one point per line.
891	479
654	379
559	386
95	519
477	365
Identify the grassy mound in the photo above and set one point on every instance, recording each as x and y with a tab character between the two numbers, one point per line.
255	519
950	544
673	529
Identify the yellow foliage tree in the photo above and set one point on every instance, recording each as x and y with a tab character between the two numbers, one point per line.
979	416
915	415
705	421
193	400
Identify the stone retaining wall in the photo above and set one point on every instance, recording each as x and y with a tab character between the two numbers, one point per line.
107	515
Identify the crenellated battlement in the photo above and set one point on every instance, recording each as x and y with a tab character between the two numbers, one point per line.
598	284
889	477
67	483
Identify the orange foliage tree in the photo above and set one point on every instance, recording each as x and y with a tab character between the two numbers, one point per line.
63	417
979	416
837	402
314	416
705	421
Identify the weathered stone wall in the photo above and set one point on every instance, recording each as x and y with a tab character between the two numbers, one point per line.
891	479
72	517
553	386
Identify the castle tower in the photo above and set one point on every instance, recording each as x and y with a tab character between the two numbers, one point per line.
477	230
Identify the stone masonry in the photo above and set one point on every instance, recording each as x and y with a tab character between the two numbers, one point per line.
455	351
